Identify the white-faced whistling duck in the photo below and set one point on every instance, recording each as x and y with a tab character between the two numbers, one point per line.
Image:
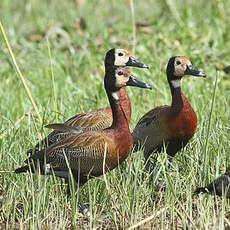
85	151
101	118
170	125
220	186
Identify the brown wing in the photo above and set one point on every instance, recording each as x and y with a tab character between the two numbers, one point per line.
151	129
92	121
84	152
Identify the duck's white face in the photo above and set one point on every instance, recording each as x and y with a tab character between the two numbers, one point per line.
121	57
122	76
180	66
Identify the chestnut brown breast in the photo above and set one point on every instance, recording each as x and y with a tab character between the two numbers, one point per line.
184	124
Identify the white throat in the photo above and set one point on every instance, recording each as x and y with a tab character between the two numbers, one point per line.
176	83
116	95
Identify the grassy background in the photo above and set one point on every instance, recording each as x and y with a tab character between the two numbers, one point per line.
79	35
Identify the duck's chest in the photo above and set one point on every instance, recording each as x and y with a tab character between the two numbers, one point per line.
122	146
124	143
183	124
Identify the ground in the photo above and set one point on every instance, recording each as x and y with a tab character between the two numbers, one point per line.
69	80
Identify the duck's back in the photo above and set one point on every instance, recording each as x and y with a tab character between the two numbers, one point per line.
92	121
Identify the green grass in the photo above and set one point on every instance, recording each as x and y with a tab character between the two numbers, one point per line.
65	77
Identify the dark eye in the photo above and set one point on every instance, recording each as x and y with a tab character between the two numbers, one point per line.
178	62
120	54
120	73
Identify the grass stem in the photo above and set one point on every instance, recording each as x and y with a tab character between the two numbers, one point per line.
133	25
19	73
206	158
53	83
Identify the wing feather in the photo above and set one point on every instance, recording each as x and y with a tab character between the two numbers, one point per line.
92	121
146	133
99	119
85	150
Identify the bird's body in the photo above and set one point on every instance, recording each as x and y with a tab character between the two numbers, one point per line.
170	126
176	128
220	186
85	151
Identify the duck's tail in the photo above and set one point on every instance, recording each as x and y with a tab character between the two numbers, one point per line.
22	169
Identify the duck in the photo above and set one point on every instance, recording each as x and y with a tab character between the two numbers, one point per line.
170	126
84	152
101	118
220	186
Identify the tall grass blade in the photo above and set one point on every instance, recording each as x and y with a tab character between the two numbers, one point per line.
53	83
206	158
19	73
133	25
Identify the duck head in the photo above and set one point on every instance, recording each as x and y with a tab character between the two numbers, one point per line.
121	57
178	67
119	77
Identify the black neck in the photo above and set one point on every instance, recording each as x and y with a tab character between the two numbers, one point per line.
177	100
